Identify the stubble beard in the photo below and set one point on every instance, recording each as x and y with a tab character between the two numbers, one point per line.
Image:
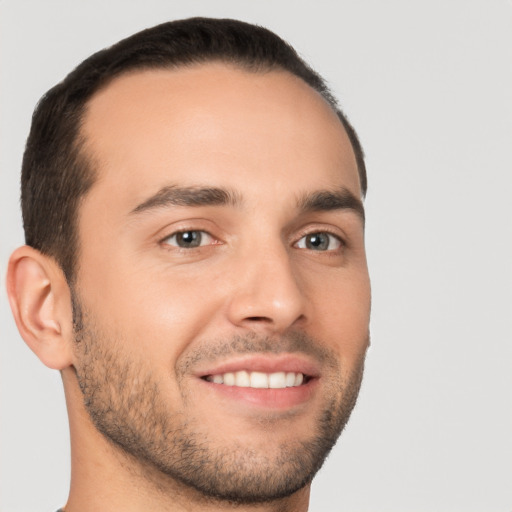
126	404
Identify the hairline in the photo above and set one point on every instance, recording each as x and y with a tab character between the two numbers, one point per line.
82	143
59	163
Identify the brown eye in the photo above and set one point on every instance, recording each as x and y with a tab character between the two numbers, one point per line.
319	242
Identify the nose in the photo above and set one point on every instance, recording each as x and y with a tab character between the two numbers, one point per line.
266	294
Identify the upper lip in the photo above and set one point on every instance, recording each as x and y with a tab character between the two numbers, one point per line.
263	363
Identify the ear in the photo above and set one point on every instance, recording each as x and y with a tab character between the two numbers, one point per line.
41	304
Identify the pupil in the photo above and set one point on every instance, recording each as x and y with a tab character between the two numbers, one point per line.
317	241
189	239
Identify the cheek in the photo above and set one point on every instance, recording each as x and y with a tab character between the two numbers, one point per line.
342	311
156	311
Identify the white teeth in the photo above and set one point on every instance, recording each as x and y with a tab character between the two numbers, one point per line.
229	379
260	380
277	380
290	379
243	379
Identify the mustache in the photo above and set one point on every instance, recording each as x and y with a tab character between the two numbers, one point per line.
253	343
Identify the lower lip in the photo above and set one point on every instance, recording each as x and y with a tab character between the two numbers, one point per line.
282	398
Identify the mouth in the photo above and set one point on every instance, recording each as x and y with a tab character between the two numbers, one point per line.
259	380
281	382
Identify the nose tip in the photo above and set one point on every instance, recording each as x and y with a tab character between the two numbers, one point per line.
268	299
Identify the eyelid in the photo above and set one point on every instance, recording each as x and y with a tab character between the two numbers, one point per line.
311	230
212	239
339	240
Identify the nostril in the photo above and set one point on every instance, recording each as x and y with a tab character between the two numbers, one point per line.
258	319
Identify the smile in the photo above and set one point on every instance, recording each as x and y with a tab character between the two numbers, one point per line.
259	380
265	381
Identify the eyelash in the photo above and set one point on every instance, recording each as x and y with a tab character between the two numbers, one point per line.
335	236
176	234
331	236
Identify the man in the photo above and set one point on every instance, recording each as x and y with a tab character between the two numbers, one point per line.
195	268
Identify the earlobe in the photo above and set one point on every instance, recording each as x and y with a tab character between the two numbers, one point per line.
40	302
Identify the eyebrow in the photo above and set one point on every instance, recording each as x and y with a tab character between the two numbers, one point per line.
328	200
317	201
188	196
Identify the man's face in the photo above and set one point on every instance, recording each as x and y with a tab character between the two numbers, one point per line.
222	290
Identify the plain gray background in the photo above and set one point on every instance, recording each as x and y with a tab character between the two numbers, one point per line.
428	86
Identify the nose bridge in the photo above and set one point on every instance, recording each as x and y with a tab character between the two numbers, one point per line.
267	291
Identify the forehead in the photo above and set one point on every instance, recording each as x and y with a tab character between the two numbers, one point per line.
214	125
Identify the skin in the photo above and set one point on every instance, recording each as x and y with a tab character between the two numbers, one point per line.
270	140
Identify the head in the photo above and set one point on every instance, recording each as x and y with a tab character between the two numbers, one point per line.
193	198
57	170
